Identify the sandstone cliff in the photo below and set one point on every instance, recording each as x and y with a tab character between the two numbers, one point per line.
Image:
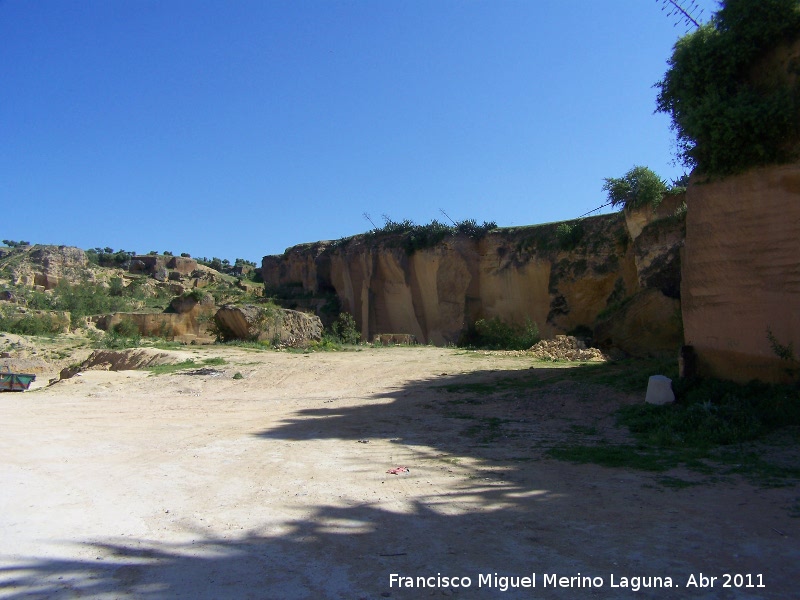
562	276
741	276
280	326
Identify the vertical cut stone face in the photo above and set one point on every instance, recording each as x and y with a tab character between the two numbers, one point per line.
249	322
435	293
182	265
741	272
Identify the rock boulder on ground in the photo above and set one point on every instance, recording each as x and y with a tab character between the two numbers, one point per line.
252	322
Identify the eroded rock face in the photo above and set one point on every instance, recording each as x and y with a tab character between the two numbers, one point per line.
559	281
637	219
244	322
188	326
184	304
55	260
741	274
182	265
48	282
648	324
46	266
657	251
250	322
147	263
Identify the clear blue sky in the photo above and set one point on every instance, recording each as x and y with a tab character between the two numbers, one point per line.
238	128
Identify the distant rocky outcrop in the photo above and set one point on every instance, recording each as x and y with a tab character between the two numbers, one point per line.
182	265
46	266
55	260
186	303
186	320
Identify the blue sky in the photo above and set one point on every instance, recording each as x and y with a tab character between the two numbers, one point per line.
238	128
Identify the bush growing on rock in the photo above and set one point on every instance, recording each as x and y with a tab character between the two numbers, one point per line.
640	186
344	329
496	334
418	237
733	105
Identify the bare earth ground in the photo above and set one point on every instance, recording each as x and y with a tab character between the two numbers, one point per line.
132	485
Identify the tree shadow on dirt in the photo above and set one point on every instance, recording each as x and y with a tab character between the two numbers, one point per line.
480	499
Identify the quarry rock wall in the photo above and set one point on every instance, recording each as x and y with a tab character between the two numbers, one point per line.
562	276
741	274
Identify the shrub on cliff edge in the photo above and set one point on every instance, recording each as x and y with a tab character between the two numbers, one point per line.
729	114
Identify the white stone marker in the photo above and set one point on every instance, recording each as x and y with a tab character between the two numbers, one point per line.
659	390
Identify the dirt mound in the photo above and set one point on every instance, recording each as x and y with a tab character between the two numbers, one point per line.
561	347
127	360
565	347
24	365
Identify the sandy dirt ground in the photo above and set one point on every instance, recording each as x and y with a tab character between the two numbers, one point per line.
132	485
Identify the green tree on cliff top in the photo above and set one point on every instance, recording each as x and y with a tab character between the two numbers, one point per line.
731	108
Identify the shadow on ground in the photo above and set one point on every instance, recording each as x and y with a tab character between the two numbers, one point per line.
506	509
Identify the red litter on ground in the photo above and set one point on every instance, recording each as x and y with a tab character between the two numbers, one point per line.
397	470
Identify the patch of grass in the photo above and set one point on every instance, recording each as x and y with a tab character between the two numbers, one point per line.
629	376
186	364
754	466
238	375
328	343
464	401
488	429
171	368
715	413
628	456
675	482
583	429
496	334
214	360
705	431
162	344
456	414
505	384
249	344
